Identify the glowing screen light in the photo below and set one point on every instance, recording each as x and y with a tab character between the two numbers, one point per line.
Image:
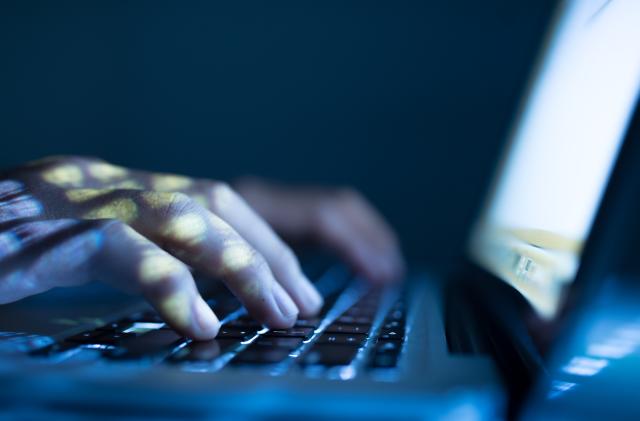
585	366
562	149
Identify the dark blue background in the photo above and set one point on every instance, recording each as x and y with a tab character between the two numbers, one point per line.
407	100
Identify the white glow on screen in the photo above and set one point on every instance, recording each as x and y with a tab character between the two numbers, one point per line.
563	148
585	366
559	387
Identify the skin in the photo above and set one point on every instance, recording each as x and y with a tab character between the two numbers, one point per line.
69	220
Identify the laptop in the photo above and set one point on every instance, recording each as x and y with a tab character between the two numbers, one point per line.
470	345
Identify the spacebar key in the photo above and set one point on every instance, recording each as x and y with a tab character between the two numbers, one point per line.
152	344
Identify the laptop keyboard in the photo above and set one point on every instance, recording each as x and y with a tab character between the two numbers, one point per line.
359	330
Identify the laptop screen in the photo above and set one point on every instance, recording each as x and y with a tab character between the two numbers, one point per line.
561	150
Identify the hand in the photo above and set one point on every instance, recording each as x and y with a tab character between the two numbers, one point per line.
69	220
339	219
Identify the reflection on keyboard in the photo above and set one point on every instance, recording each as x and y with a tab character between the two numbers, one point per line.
359	329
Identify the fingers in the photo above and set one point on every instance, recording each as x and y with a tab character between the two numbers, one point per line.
337	231
205	242
281	259
128	260
67	252
222	201
341	220
347	219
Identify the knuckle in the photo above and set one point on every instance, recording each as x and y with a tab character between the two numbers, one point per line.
221	195
255	267
175	279
63	171
50	164
79	160
169	284
169	204
178	199
258	264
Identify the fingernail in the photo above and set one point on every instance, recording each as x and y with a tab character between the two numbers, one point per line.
207	324
286	306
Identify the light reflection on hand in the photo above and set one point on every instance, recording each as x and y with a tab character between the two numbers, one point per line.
69	220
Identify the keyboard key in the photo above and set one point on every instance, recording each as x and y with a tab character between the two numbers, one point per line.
393	325
236	333
372	297
367	305
356	339
141	328
223	308
261	355
330	355
85	337
348	328
391	334
308	322
110	338
294	332
275	342
148	316
97	337
388	346
203	351
384	360
386	354
396	314
399	305
360	312
155	343
244	322
119	326
354	320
